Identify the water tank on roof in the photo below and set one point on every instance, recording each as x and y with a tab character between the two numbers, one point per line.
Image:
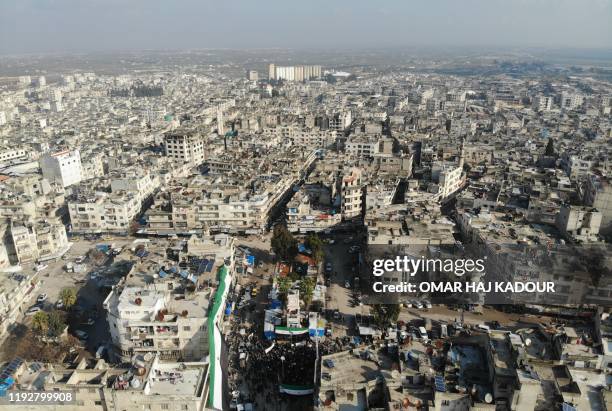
135	383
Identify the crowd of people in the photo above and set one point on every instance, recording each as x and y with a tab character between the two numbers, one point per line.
258	367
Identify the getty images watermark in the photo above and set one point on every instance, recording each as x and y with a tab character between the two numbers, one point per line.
409	266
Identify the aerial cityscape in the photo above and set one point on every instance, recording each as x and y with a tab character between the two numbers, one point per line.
310	228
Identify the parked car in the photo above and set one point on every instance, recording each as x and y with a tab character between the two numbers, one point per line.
354	249
82	335
41	298
59	304
329	363
427	304
88	322
417	304
33	310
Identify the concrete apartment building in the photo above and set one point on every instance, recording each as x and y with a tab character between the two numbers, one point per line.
146	382
15	291
351	192
294	73
579	223
598	194
448	177
12	153
305	214
100	212
571	101
362	146
148	319
184	146
63	168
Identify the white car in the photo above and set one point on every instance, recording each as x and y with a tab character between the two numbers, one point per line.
417	304
41	298
427	303
33	311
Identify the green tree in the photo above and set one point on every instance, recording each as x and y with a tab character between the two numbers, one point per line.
68	297
283	243
307	286
284	285
40	323
550	148
316	246
385	314
56	323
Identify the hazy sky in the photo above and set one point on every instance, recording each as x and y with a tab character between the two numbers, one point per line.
28	26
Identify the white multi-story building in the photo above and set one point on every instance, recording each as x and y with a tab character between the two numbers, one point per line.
294	73
598	194
24	243
579	223
184	146
362	147
252	75
149	319
7	153
543	103
63	168
449	178
142	184
146	383
351	190
103	212
571	101
305	214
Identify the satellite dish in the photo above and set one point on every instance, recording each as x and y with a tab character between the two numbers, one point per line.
135	383
528	342
488	398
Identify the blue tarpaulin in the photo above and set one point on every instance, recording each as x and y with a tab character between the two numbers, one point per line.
303	249
250	260
103	247
162	273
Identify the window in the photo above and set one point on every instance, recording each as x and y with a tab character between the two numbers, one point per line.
164	406
187	328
